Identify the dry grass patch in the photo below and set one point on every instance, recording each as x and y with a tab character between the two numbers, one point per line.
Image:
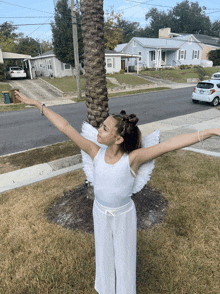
182	256
37	156
130	79
179	256
39	257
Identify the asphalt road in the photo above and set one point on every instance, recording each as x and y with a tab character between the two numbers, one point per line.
26	129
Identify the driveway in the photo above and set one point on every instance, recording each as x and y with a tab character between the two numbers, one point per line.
39	90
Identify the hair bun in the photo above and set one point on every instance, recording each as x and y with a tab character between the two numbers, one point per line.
133	119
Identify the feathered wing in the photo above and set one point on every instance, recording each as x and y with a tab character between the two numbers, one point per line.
145	170
90	133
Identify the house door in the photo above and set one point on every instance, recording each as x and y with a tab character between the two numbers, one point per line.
123	64
163	57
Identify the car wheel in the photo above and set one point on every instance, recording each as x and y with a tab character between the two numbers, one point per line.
215	101
195	101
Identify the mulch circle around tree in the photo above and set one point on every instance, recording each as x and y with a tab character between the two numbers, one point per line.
74	209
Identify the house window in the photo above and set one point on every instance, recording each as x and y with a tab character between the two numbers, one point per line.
49	64
134	44
66	66
195	54
109	62
152	54
140	58
182	54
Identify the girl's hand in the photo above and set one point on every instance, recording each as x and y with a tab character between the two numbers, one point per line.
24	99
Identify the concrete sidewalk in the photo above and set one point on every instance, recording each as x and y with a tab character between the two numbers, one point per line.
169	128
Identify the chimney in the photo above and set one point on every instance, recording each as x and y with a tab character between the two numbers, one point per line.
164	33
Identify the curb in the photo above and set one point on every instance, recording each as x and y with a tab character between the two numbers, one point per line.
51	86
37	179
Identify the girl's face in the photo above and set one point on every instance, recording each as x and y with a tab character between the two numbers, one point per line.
108	133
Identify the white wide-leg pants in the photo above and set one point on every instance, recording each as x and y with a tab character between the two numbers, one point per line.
115	232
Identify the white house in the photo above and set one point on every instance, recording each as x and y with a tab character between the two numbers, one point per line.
48	65
115	61
158	52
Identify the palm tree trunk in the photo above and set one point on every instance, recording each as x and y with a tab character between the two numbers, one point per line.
94	61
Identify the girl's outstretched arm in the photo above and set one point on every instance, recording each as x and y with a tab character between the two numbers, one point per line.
62	125
142	155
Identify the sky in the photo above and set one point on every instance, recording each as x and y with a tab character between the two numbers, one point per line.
33	18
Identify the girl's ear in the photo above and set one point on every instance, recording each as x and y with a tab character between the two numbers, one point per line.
119	140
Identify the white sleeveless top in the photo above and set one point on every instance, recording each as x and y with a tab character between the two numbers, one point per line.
113	183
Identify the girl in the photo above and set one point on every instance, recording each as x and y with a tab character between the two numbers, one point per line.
118	160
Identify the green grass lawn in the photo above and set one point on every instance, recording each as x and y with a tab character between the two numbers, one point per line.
178	75
68	84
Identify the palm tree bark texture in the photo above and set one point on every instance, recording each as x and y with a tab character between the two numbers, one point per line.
94	61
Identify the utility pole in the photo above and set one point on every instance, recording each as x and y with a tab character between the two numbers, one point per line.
75	46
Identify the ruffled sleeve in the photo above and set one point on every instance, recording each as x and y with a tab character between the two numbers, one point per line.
90	133
145	170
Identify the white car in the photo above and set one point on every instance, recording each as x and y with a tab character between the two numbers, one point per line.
207	91
16	72
216	76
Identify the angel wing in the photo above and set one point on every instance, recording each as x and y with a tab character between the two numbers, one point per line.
90	133
145	170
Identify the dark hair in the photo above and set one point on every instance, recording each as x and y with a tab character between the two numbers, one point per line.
127	129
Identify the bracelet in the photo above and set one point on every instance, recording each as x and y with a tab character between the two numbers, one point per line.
42	108
202	136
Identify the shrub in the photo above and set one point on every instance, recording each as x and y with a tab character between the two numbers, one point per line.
214	56
122	71
201	72
2	72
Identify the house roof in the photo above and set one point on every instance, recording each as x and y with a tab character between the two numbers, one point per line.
9	55
205	39
44	55
208	40
47	53
159	43
120	47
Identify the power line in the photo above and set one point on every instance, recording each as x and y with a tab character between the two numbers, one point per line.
40	26
25	7
23	17
30	24
158	5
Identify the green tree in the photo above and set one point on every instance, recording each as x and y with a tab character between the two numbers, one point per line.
215	29
28	46
129	30
189	17
185	17
94	60
8	30
46	46
158	20
214	55
112	31
62	33
8	37
7	43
